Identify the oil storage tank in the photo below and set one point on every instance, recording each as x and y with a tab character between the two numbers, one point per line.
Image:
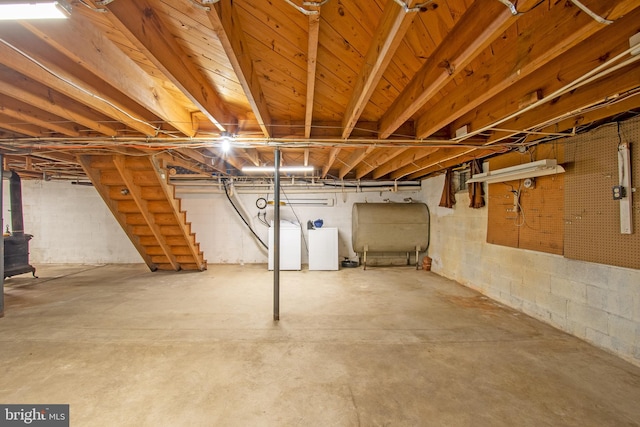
389	227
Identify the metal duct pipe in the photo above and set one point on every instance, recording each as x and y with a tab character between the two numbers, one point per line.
15	193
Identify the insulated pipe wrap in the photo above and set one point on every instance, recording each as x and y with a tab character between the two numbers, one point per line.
389	227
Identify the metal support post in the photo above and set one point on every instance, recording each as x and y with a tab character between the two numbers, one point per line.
276	236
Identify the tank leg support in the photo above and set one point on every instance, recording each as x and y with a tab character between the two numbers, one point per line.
365	259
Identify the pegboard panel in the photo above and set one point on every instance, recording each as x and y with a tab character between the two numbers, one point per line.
592	217
502	228
542	215
539	224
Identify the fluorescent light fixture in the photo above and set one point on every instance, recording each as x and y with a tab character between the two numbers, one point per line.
305	202
526	170
16	10
271	169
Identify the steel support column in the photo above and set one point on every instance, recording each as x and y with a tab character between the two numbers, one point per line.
2	245
276	236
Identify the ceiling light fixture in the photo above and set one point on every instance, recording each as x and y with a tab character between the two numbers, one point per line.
526	170
271	169
225	141
31	9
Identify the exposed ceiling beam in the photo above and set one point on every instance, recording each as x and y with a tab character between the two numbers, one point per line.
333	154
28	114
393	26
556	75
173	160
20	87
618	82
584	97
498	73
379	157
312	57
10	124
407	157
389	34
57	156
144	28
227	157
200	158
226	24
250	154
104	59
449	158
592	114
59	80
354	159
482	23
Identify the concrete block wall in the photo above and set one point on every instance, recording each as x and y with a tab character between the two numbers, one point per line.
70	224
595	302
225	239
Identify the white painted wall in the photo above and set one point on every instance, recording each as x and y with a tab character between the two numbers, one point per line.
225	239
70	224
595	302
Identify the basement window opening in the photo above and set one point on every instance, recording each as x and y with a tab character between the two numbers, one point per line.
460	180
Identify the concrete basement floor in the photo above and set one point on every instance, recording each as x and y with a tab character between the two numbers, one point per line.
387	346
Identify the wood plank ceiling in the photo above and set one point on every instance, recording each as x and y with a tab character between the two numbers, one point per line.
359	89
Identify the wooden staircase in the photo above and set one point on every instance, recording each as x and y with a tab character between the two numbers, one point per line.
137	191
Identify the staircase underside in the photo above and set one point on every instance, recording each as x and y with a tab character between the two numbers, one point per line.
137	191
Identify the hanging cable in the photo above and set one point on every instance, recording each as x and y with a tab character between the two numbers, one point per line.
591	13
78	87
510	5
226	192
302	9
416	8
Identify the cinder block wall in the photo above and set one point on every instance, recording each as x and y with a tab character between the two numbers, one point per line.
225	239
70	224
595	302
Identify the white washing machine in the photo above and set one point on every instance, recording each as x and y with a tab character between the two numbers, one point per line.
290	246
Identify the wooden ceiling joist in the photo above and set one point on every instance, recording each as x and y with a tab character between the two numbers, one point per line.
326	88
11	124
393	26
479	26
250	154
200	158
622	80
408	157
152	37
572	65
379	157
333	154
104	59
226	25
498	73
312	59
227	157
61	81
37	95
354	159
28	114
389	34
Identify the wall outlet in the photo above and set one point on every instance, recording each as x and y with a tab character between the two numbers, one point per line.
619	192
